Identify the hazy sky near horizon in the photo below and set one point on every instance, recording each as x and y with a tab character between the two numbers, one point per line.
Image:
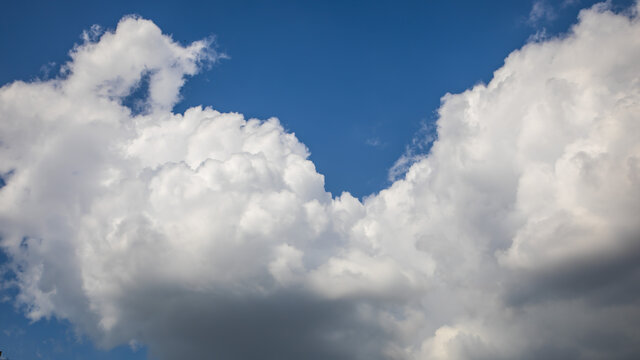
237	180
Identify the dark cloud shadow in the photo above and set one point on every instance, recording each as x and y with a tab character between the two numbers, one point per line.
287	325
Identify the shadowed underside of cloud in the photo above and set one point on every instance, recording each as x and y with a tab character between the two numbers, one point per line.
207	235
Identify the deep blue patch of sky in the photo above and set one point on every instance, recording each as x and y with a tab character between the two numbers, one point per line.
355	80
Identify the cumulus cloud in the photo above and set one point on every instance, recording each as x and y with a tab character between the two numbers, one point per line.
208	235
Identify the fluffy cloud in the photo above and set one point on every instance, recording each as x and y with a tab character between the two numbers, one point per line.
207	235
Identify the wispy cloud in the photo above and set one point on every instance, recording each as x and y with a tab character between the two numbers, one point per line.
541	12
415	151
374	141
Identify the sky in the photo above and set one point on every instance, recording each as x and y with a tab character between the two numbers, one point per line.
244	180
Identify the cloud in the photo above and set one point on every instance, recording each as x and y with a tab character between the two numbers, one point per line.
208	235
414	152
566	3
374	142
541	11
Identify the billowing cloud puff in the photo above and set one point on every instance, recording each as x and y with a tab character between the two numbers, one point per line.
208	235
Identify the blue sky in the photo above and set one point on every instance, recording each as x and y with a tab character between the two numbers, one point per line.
355	81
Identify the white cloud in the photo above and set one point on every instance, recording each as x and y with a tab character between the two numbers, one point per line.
206	234
414	151
541	11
